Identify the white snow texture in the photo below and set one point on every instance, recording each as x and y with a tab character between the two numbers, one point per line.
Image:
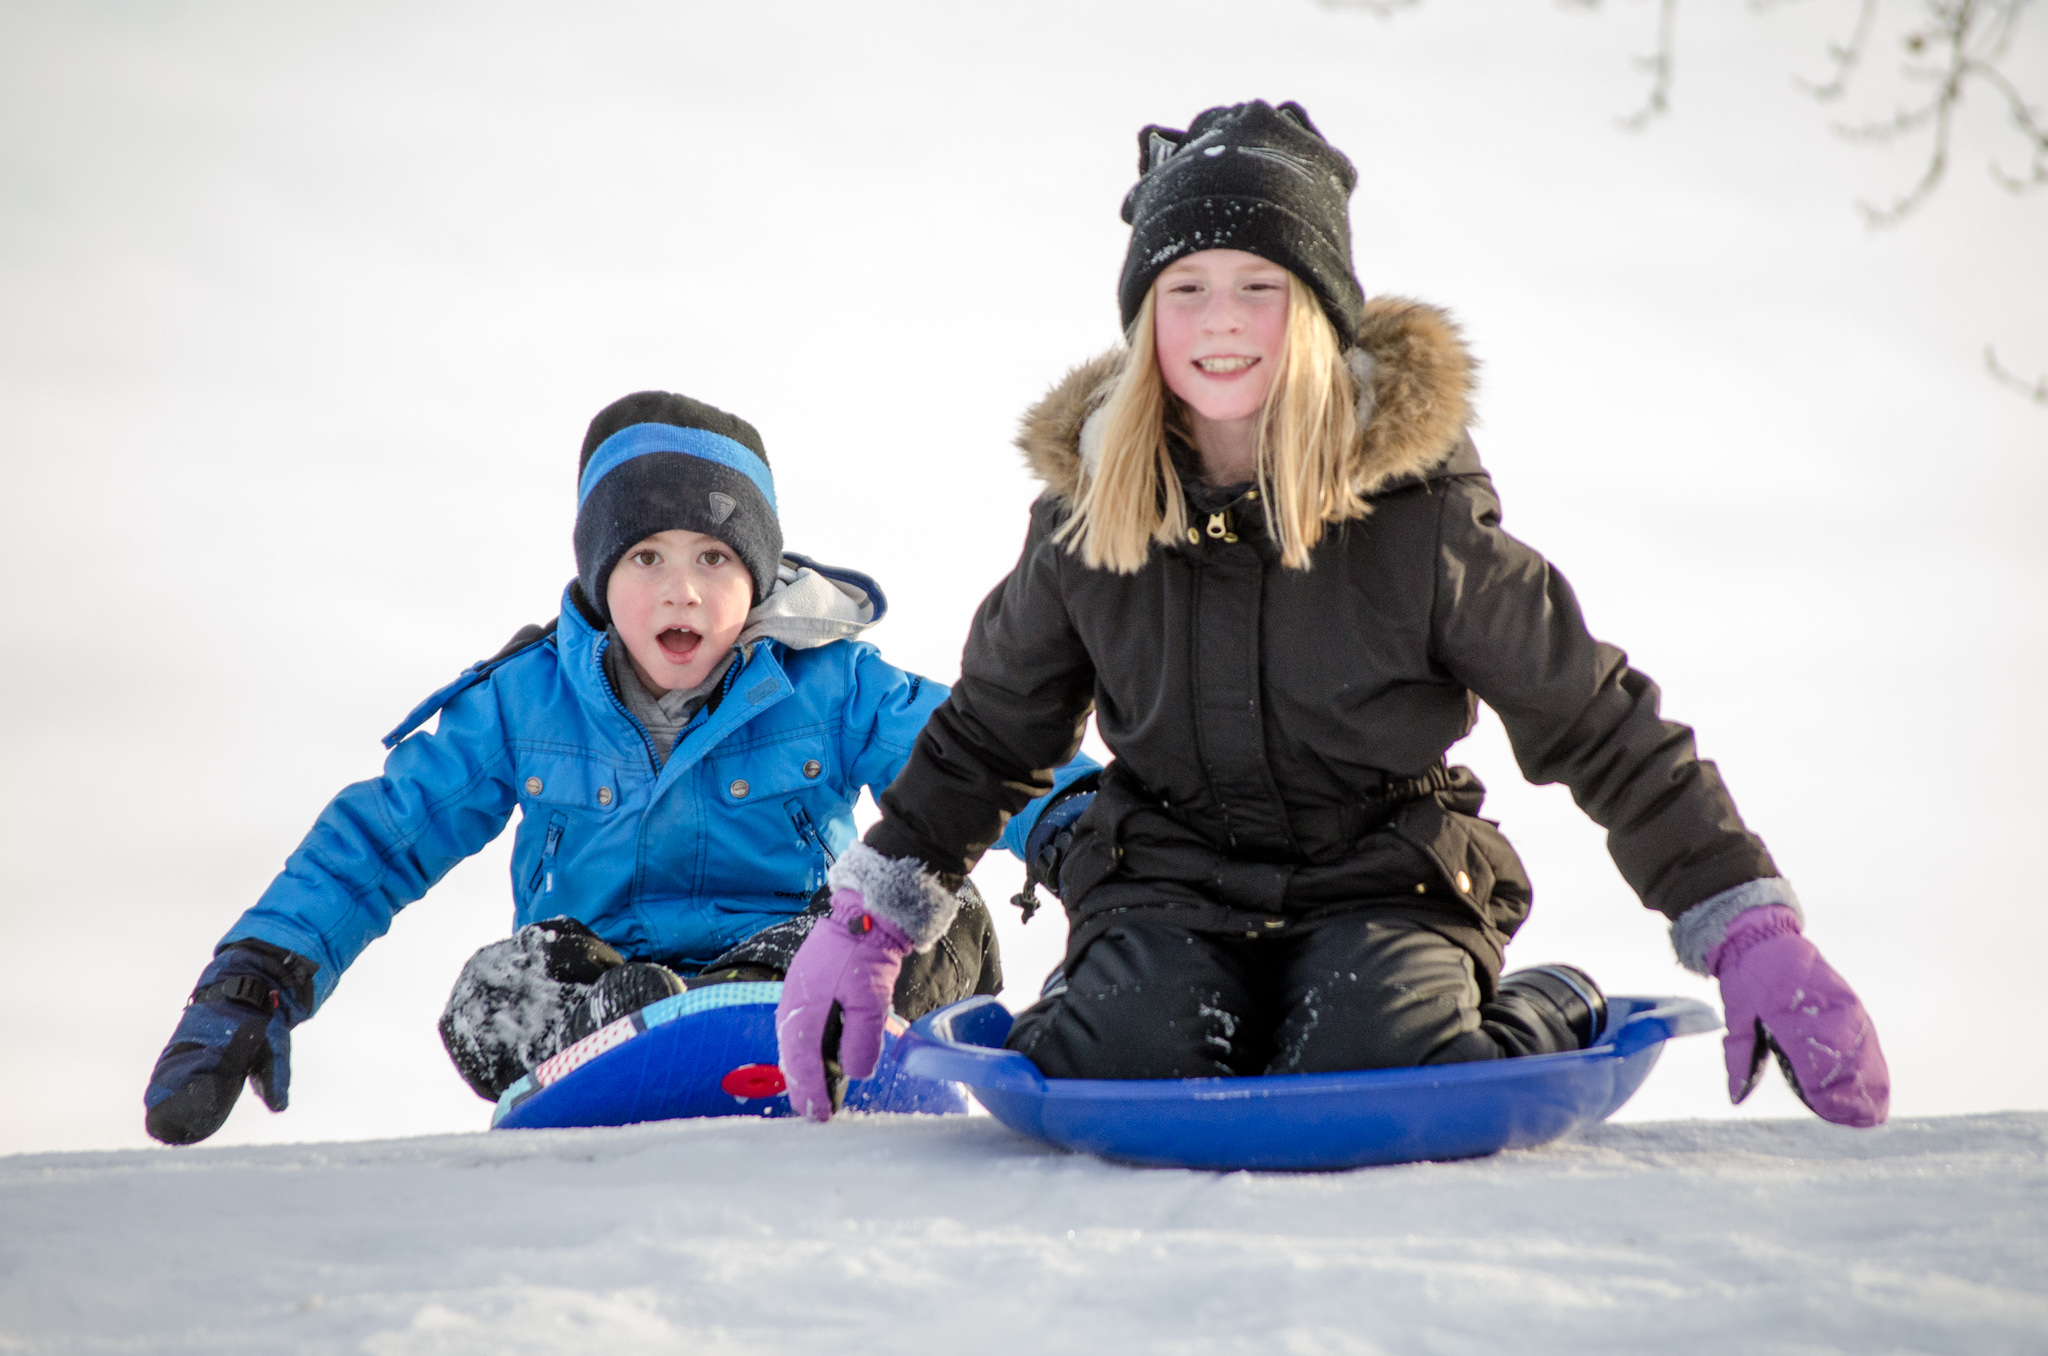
927	1233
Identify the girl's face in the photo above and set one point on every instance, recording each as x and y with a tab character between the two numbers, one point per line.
678	600
1219	326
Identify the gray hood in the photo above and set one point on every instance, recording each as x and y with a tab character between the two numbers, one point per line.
811	605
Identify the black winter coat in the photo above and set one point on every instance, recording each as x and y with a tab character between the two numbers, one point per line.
1279	734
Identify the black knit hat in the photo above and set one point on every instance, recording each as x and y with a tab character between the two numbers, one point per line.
1248	177
655	461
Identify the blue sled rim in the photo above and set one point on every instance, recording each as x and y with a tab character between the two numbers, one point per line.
709	1051
1305	1121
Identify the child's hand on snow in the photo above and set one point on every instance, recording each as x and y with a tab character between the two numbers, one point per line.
236	1026
1781	997
848	964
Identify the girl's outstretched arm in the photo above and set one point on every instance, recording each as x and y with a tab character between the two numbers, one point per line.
1018	712
1506	624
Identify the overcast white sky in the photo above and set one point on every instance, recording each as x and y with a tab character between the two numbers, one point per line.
302	314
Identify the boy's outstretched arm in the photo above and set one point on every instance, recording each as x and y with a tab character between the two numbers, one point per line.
383	843
379	845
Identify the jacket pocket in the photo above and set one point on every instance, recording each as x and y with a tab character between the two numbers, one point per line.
1472	860
545	779
771	772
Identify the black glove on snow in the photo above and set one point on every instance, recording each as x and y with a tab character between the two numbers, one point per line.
236	1026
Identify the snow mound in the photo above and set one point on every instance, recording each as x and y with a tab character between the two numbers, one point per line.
890	1233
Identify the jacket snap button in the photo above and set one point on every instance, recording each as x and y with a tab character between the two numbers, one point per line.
1422	887
739	789
604	795
533	786
813	768
1464	884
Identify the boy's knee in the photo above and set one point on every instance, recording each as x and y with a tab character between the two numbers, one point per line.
511	1004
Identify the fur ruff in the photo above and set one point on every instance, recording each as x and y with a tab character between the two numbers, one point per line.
1414	406
1704	926
900	891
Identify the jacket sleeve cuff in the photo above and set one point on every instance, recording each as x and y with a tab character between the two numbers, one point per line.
1704	926
901	891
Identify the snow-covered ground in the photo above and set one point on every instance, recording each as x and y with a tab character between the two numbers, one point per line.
922	1234
302	312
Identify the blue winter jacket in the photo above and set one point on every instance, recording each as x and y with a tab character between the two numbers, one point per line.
676	864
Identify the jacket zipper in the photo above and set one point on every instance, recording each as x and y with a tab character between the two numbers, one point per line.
543	881
646	739
807	835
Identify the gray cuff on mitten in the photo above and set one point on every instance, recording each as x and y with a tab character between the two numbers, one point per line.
1704	926
901	891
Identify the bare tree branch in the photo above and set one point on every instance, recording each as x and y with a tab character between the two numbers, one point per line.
1846	56
2036	390
1951	48
1658	64
1954	46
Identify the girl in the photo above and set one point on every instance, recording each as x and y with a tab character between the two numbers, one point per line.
1269	559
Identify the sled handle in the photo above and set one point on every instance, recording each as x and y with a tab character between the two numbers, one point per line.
1662	1020
963	1042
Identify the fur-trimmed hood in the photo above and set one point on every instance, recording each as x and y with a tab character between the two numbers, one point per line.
1415	383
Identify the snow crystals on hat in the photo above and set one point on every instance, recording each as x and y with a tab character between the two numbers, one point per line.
1246	177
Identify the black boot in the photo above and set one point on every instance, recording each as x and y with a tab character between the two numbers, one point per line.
1563	998
627	989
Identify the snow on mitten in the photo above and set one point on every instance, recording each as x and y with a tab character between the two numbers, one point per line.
237	1025
1782	998
514	1002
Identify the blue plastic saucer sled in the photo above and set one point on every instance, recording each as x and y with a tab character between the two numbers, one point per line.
704	1052
1331	1120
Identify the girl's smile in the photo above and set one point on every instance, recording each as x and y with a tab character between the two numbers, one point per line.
1219	326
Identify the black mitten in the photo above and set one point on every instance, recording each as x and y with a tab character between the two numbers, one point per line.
236	1026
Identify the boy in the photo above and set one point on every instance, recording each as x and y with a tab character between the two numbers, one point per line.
684	746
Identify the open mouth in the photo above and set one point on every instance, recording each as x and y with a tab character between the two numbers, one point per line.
1227	365
678	644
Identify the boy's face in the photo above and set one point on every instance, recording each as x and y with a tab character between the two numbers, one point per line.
678	600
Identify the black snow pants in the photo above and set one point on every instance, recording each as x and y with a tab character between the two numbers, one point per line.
526	998
1148	999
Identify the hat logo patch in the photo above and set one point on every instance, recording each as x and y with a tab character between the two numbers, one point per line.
1160	149
722	506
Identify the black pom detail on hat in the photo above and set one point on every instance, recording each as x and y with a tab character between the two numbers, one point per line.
1246	177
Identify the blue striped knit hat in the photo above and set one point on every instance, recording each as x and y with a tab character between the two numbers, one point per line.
655	461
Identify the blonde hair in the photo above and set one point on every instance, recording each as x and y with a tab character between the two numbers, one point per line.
1131	498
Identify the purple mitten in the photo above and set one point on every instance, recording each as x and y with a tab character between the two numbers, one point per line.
850	959
1781	997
